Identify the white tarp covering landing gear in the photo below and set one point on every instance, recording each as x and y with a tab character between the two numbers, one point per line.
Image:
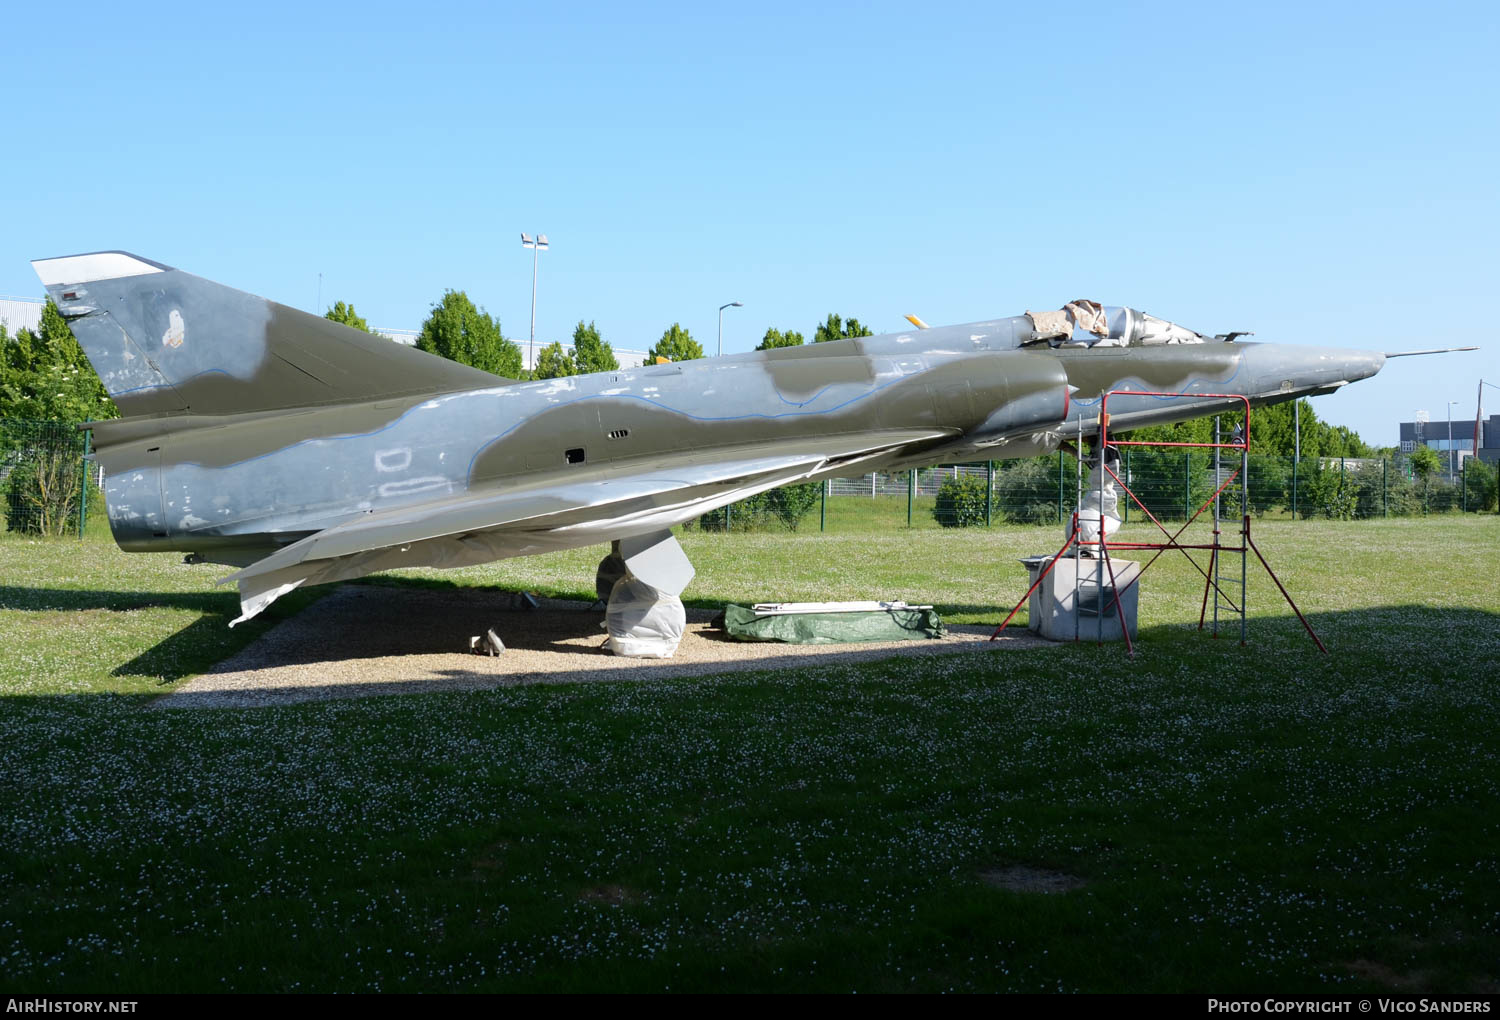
643	622
1099	509
645	618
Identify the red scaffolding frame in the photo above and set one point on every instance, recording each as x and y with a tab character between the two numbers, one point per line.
1212	576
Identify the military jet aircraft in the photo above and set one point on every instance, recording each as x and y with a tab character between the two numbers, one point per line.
302	451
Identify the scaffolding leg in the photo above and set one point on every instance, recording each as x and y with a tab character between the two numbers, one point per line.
1207	583
1251	543
1119	609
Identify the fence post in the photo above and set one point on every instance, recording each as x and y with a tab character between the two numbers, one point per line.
989	492
911	493
1129	480
1385	487
728	509
1463	489
1187	485
1060	485
823	507
83	477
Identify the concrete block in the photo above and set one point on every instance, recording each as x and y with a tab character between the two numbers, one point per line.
1077	599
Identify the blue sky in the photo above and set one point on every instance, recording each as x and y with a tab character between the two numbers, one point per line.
1317	173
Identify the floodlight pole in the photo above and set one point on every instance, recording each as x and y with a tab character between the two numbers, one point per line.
731	304
537	246
1450	440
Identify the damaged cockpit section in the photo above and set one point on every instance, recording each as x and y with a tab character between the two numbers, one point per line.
1084	323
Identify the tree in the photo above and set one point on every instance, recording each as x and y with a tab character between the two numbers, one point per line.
460	332
676	344
836	328
1480	479
346	314
45	486
1273	432
1424	463
1026	491
554	362
590	352
776	338
15	352
44	375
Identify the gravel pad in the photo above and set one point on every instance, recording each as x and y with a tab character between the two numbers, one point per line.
363	640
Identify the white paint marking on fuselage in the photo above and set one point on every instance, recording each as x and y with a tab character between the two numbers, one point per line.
412	486
398	459
176	330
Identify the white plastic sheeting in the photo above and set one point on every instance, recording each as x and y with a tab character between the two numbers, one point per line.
1084	323
1159	331
643	623
1099	509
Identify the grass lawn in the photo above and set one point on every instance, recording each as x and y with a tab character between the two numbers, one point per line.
1229	819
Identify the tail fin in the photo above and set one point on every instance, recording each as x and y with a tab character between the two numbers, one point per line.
164	341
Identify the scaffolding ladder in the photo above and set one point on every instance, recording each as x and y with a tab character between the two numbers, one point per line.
1229	592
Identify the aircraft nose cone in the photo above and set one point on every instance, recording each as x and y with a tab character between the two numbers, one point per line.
1362	364
1289	368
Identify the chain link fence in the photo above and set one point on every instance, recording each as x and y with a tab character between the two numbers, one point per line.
1170	484
45	488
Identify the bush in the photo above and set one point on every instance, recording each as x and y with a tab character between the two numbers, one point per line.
1329	492
791	503
782	508
1026	491
1270	482
960	502
1380	490
1480	484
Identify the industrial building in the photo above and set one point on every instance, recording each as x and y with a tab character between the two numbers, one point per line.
18	313
1436	435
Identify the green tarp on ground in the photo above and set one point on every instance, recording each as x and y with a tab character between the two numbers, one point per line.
832	628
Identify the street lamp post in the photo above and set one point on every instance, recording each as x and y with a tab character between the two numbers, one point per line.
732	304
537	246
1450	440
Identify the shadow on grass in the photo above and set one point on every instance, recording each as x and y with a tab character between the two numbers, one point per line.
188	652
394	617
51	600
407	629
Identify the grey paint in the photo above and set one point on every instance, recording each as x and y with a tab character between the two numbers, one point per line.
304	451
